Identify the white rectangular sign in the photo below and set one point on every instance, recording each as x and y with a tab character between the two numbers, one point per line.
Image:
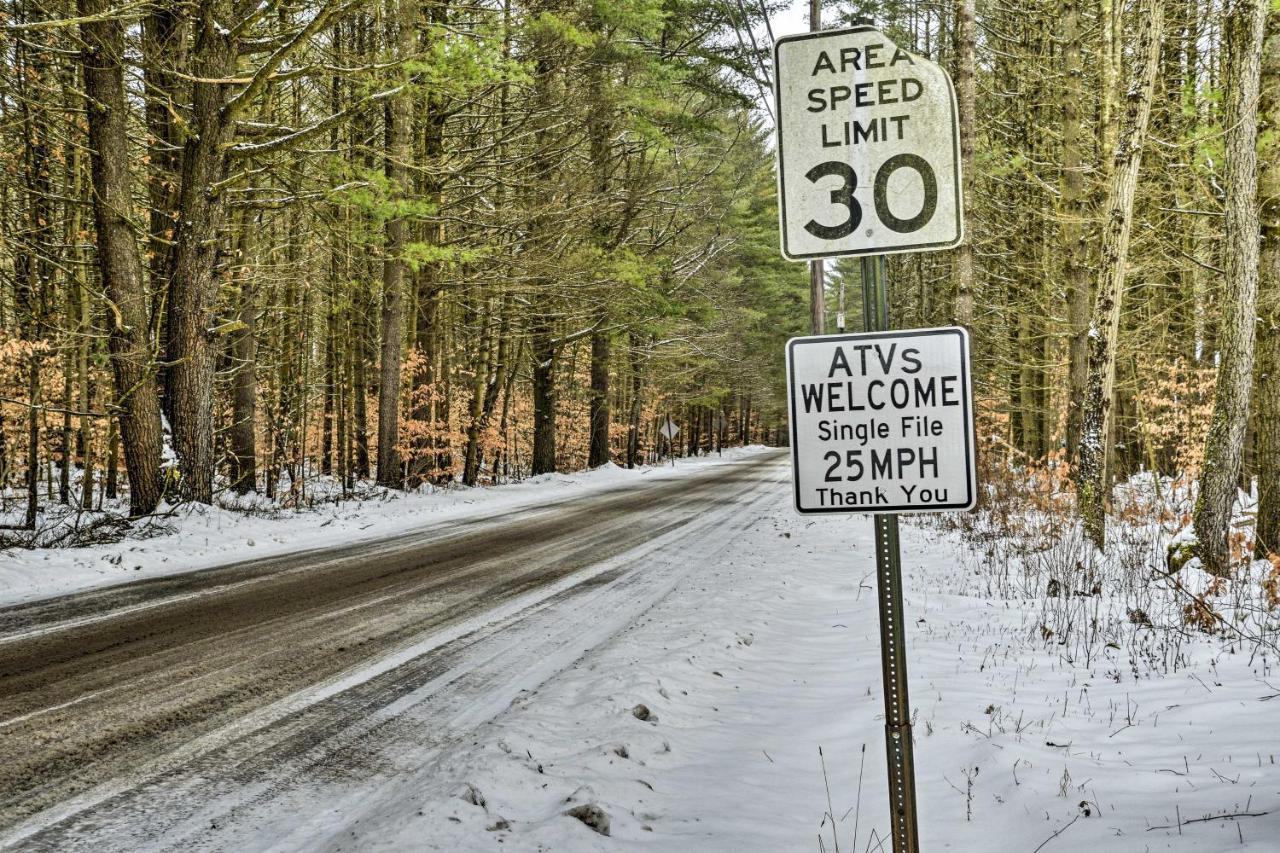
882	422
868	147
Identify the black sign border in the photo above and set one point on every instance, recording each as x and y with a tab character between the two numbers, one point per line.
970	436
782	186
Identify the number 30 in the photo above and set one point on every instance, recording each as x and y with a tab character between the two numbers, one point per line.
843	195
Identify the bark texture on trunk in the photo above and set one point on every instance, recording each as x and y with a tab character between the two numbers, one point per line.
1267	373
545	191
399	114
637	388
543	351
201	212
1224	445
598	453
1104	328
164	46
244	385
1075	273
966	100
118	260
190	348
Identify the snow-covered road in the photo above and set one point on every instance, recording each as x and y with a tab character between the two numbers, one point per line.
152	713
664	659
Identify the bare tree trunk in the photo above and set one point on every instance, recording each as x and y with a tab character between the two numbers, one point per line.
501	459
192	293
65	449
399	114
1267	381
1073	215
118	260
542	349
598	453
637	386
164	45
1224	445
1112	20
82	311
494	381
966	97
1104	330
111	484
244	381
330	389
33	440
482	382
361	346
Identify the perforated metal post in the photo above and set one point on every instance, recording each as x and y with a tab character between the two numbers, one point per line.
893	651
817	275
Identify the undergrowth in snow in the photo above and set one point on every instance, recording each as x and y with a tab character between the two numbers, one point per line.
1147	593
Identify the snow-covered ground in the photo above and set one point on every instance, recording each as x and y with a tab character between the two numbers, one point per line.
719	690
762	665
195	537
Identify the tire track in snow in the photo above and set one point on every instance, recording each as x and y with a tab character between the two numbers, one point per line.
461	671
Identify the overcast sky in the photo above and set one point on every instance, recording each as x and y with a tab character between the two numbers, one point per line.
793	20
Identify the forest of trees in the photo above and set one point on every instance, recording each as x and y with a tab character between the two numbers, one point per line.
1122	278
248	244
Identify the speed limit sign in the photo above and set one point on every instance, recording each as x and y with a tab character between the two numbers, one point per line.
868	147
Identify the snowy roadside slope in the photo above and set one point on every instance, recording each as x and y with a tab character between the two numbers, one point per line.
769	652
204	537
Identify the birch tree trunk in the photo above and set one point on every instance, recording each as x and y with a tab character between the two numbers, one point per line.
1104	329
1224	445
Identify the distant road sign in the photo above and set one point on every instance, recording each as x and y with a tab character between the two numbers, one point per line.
868	147
882	422
669	428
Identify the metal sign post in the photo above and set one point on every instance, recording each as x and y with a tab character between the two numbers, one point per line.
817	273
893	652
868	150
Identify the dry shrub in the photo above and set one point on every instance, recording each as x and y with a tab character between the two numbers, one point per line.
1199	615
1020	497
1271	583
1176	402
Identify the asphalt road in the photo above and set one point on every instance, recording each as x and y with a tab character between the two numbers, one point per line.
105	694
